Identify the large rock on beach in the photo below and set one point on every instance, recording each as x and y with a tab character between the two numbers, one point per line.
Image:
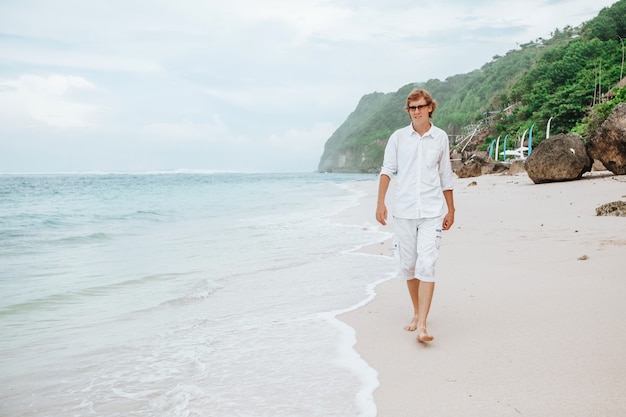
456	160
608	143
496	167
558	158
472	168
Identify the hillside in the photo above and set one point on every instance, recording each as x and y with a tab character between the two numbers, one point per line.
564	78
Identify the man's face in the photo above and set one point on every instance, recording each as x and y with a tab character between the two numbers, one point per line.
419	110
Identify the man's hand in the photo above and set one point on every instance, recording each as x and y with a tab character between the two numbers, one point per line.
381	214
448	221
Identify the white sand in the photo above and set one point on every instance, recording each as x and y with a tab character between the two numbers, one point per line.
522	326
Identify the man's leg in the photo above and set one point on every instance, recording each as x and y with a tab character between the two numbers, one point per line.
406	255
428	239
425	296
413	285
421	293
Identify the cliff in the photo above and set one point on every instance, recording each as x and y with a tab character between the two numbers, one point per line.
358	144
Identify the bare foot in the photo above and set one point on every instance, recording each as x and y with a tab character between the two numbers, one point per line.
423	336
412	326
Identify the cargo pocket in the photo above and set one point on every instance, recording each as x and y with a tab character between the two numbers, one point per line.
395	246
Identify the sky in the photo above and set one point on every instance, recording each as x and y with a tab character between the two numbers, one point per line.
229	85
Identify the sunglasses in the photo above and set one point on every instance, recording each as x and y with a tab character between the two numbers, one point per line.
420	107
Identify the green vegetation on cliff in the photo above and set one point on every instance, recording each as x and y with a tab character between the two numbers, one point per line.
565	78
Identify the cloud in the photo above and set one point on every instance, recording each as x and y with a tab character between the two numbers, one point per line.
216	132
54	101
78	59
303	141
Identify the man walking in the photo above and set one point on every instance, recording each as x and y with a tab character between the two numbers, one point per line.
423	202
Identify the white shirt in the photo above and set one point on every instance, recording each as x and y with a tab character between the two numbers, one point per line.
424	172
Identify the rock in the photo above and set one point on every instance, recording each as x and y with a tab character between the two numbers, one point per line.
516	167
608	143
495	167
472	168
615	208
456	160
597	165
558	158
478	166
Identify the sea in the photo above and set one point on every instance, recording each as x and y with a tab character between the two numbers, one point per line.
184	293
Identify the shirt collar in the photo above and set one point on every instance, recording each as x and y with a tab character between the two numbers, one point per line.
427	134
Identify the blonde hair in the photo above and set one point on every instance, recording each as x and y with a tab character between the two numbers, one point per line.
420	93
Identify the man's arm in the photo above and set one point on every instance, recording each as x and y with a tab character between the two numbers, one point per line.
448	220
381	208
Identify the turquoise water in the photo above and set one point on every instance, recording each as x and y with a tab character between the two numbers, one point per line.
182	294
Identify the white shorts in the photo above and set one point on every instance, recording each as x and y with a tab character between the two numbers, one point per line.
416	247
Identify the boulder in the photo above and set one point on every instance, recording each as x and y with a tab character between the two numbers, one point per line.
558	158
496	167
608	142
472	168
597	165
456	160
516	167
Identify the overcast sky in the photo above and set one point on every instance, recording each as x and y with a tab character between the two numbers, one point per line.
243	85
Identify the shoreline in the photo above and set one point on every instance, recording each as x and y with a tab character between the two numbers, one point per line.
527	313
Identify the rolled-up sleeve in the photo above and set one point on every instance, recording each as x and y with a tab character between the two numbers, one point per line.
390	160
445	167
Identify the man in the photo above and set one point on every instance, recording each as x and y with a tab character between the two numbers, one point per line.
423	202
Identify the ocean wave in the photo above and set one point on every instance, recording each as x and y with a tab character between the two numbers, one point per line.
149	215
124	288
153	172
204	290
90	237
48	303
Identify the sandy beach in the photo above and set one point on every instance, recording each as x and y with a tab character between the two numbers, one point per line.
529	307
